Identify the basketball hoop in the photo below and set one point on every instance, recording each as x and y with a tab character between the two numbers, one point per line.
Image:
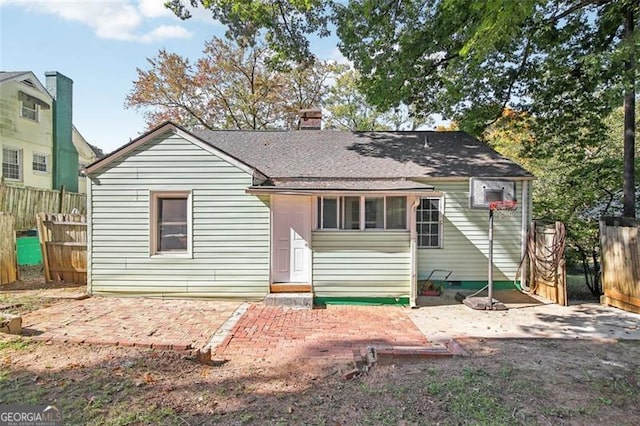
503	208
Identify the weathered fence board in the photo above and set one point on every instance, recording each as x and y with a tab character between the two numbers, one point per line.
25	202
8	260
547	266
620	246
63	241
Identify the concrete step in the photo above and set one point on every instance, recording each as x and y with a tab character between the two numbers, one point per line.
291	300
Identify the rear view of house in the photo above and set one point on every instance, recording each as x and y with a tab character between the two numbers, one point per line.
344	215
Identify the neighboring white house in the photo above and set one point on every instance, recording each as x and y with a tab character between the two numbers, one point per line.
345	215
87	154
26	132
39	146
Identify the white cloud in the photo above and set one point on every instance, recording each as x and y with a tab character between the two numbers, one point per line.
154	8
164	32
201	14
110	19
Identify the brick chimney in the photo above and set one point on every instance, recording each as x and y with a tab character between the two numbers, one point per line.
310	119
65	156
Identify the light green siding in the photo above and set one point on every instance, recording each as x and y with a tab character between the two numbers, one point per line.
230	228
28	136
466	241
361	264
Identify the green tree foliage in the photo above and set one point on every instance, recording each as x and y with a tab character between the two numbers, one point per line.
565	62
576	190
346	108
229	87
287	23
561	62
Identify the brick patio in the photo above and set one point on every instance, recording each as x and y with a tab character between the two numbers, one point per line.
141	322
267	332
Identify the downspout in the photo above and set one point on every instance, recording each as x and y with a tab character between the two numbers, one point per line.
413	246
89	219
524	235
271	259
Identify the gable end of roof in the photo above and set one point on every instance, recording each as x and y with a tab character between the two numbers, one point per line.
165	128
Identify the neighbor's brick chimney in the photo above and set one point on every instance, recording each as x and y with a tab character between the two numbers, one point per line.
310	119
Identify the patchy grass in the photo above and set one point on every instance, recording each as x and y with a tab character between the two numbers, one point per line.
16	344
29	273
31	292
504	382
577	288
20	303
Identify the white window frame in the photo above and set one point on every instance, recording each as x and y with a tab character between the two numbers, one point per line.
320	213
19	165
440	223
154	196
46	163
340	212
35	111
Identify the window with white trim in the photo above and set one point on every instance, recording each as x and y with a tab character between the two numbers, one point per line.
171	223
362	212
40	163
12	163
429	220
29	109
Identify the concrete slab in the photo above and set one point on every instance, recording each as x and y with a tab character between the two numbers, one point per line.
526	317
290	300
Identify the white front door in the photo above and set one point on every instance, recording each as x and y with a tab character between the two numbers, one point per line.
291	259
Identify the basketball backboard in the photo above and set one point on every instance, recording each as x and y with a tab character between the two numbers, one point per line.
483	191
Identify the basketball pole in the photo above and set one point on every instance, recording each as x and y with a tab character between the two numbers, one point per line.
490	275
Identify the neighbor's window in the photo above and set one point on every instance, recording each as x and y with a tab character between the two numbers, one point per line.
171	229
362	212
429	223
12	163
29	109
41	163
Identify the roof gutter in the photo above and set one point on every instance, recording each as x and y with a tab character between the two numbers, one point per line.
256	190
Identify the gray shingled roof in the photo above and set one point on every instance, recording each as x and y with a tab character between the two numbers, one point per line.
364	155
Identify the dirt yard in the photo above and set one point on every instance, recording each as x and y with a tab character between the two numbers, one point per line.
503	381
545	382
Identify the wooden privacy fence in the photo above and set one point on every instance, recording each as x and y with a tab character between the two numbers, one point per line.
8	260
547	265
620	246
63	241
25	202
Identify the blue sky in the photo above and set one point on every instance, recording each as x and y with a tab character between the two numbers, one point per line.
99	44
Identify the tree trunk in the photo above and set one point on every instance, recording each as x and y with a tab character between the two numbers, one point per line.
585	269
597	288
629	185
